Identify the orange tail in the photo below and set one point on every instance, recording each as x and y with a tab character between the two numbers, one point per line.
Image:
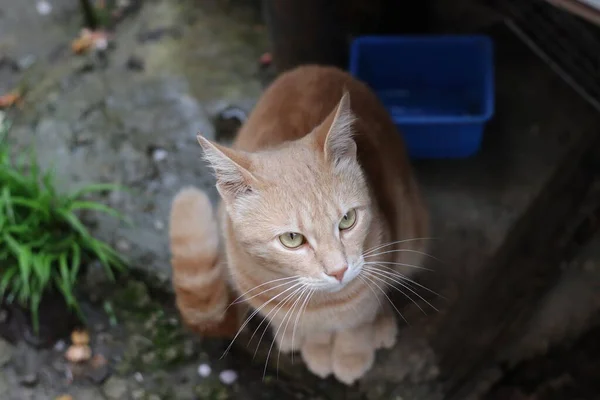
201	290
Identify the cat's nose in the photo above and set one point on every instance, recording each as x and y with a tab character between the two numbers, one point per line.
338	274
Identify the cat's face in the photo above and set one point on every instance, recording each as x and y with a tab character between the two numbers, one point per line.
309	219
302	210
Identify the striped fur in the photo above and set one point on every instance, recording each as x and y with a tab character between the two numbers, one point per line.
202	294
317	145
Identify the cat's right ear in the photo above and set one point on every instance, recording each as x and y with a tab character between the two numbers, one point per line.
231	168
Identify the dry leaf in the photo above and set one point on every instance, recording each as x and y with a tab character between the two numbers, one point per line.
64	397
89	39
11	99
81	44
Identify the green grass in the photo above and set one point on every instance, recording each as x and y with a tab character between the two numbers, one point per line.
43	242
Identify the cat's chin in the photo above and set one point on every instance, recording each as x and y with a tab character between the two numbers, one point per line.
335	288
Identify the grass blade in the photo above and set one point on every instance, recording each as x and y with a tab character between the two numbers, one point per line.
7	277
24	261
75	262
90	205
42	240
96	188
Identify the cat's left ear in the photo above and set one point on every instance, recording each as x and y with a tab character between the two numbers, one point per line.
337	143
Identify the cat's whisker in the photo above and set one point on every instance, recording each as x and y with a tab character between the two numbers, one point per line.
266	318
263	292
241	299
275	335
290	312
300	312
370	287
386	283
396	263
252	316
375	248
393	272
387	297
405	251
382	275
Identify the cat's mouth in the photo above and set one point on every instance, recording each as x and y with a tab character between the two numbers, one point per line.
334	286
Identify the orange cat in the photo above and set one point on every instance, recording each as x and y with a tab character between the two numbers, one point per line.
320	216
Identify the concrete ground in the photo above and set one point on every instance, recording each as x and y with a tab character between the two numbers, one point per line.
132	117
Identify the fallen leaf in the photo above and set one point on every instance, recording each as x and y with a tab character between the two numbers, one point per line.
64	397
11	99
89	39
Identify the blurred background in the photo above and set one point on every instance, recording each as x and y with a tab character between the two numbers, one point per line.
100	104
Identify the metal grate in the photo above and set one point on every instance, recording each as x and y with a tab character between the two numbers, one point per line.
568	43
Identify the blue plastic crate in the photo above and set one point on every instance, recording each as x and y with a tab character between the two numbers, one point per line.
439	90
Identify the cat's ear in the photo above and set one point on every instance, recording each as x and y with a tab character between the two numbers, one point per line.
231	169
338	144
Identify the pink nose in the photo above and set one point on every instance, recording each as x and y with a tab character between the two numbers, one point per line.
339	274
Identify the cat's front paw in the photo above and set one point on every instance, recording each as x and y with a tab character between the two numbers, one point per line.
353	353
316	352
349	367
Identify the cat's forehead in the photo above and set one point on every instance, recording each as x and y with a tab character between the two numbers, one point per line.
291	163
299	177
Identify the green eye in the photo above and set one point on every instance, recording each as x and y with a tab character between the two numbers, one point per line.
292	240
348	220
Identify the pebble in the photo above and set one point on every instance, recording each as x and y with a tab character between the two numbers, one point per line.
43	7
123	245
6	352
99	369
26	62
204	370
101	43
115	388
26	364
159	225
234	113
159	155
138	394
171	354
60	346
228	376
149	357
139	378
29	379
